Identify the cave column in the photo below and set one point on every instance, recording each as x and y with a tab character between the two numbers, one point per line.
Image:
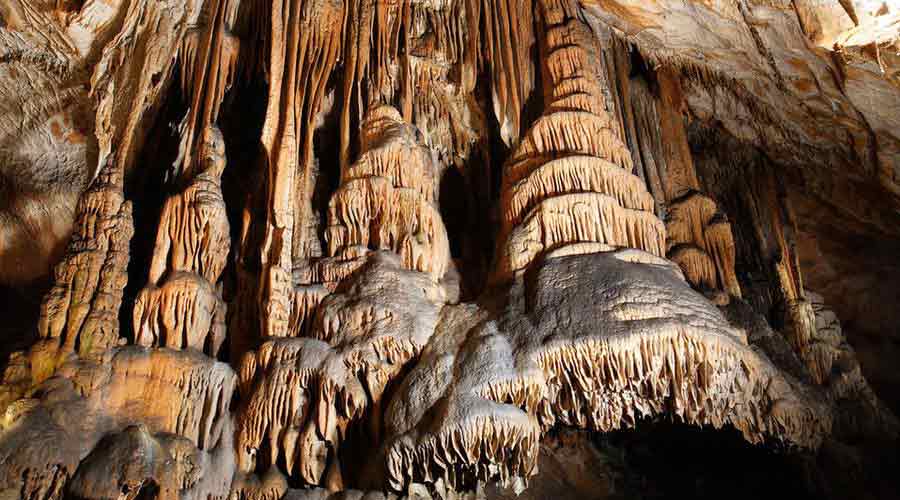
699	235
304	40
569	185
180	307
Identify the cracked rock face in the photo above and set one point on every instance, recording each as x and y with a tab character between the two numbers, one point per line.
319	249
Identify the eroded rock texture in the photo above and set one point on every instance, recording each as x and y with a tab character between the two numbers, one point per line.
454	249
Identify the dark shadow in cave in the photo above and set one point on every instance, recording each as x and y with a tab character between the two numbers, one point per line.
147	186
662	460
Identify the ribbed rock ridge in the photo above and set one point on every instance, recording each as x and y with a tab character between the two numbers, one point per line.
570	179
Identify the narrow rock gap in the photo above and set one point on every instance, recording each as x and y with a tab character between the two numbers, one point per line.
148	185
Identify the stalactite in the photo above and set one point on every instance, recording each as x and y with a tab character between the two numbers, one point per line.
510	379
698	232
506	46
208	56
352	324
305	41
303	393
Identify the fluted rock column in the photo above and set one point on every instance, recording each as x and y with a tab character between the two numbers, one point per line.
569	183
388	250
180	307
386	201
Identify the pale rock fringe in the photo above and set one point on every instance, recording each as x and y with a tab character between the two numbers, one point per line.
641	345
359	345
302	394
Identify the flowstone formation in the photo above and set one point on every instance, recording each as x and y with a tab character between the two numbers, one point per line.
363	249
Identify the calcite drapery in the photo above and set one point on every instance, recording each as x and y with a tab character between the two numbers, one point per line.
378	124
699	236
303	393
389	248
635	342
304	42
180	307
387	198
642	343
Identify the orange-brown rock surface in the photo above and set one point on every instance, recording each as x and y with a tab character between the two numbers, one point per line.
318	249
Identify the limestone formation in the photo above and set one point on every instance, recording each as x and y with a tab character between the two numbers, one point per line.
621	356
363	249
387	199
699	235
80	313
303	393
180	308
569	180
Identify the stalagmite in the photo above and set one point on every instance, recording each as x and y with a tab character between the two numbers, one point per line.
389	249
194	232
570	179
302	393
638	344
386	200
81	311
180	307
